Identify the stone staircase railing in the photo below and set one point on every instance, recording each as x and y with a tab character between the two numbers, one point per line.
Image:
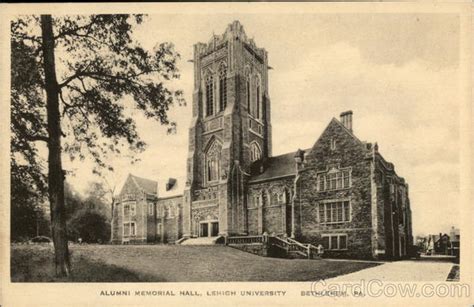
308	249
245	240
290	246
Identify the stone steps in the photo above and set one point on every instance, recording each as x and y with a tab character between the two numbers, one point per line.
200	241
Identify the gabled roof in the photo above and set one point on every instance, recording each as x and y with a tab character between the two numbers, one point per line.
276	167
334	121
284	165
147	185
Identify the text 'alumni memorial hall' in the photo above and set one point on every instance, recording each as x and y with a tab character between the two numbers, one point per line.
340	193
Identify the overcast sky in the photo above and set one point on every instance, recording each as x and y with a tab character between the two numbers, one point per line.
398	73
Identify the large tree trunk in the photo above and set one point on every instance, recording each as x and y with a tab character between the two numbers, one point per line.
112	220
55	171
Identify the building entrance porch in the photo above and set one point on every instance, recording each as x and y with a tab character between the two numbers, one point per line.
209	228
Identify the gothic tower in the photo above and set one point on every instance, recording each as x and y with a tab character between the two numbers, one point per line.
230	130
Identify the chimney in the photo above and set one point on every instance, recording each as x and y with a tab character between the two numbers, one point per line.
346	119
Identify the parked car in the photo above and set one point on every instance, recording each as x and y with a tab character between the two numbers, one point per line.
41	239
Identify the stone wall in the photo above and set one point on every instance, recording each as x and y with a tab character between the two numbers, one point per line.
238	54
393	201
350	154
271	214
131	193
170	216
203	211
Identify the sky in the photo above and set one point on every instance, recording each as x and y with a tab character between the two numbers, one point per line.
398	73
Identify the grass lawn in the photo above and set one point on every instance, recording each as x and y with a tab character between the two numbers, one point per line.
169	263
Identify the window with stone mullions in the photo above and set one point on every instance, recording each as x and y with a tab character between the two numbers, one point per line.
248	95
335	242
212	162
209	96
222	90
334	212
258	100
334	180
321	182
133	209
342	242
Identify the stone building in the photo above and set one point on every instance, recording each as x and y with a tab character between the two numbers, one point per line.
140	216
340	193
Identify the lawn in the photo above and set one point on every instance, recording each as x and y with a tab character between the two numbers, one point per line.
169	263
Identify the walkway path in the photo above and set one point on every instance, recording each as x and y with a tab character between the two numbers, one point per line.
200	241
407	270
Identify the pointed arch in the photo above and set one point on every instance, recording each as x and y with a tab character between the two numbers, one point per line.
211	141
267	197
286	196
212	160
275	197
255	151
256	199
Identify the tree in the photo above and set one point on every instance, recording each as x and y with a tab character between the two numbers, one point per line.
73	74
89	225
97	198
27	213
87	214
28	182
73	201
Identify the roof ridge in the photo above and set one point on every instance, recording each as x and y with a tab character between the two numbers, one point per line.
291	152
348	131
149	186
143	178
135	181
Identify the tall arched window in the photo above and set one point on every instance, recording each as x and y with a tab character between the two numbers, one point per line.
274	198
222	88
247	87
209	95
255	152
286	196
213	155
258	94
